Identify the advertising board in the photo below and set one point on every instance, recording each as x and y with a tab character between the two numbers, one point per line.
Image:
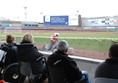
56	20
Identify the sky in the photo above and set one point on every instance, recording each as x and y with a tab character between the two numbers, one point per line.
36	9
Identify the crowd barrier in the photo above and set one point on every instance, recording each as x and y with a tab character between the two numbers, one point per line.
84	63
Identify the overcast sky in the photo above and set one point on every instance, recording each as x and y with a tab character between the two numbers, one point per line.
14	9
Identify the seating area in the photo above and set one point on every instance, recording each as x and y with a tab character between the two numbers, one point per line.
25	70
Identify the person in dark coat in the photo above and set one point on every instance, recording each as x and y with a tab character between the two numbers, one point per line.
70	68
27	52
10	47
109	68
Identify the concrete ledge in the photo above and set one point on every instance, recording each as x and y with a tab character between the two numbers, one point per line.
75	57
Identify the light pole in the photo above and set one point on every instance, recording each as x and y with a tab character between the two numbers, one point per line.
77	12
41	13
25	13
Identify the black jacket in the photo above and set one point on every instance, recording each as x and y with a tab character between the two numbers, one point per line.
11	49
71	70
108	69
27	52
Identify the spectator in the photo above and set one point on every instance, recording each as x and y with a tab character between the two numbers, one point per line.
53	43
27	52
70	68
11	48
109	68
54	38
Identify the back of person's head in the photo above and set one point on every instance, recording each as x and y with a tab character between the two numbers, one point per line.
27	38
113	50
63	45
9	38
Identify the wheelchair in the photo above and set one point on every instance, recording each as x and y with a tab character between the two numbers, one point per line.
11	73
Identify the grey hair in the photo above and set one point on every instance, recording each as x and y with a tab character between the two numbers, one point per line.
28	37
62	45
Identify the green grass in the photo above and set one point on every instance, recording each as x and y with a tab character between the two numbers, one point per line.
90	41
90	44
